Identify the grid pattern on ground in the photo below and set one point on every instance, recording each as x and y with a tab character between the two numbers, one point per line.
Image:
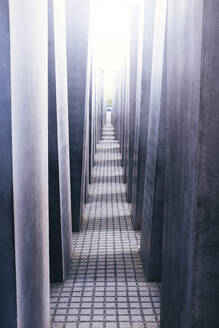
105	287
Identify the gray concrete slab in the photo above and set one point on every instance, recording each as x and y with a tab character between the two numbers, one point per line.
142	128
91	161
8	306
77	16
152	215
29	101
126	118
85	163
136	221
134	42
60	220
190	285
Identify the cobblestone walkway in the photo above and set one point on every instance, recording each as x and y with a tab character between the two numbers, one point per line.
105	287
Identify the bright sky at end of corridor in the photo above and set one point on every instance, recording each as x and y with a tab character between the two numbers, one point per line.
110	32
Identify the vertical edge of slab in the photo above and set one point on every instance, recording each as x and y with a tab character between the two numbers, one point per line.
77	22
135	220
55	234
63	131
8	306
134	40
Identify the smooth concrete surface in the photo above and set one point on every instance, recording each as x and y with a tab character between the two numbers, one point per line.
99	104
91	162
120	106
118	118
153	200
93	115
134	42
60	221
190	285
141	139
77	16
29	100
8	307
122	126
137	223
118	113
85	162
55	236
126	118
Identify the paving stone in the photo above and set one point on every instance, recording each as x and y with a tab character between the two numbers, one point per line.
84	325
111	325
97	325
59	325
72	318
138	325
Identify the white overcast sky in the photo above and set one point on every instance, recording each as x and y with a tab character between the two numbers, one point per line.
110	23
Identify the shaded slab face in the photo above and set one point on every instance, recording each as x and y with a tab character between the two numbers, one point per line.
59	165
85	163
190	287
8	311
141	127
122	117
135	222
152	219
98	89
77	15
126	121
90	130
134	39
29	99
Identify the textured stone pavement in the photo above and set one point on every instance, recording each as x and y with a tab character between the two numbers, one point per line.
105	287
